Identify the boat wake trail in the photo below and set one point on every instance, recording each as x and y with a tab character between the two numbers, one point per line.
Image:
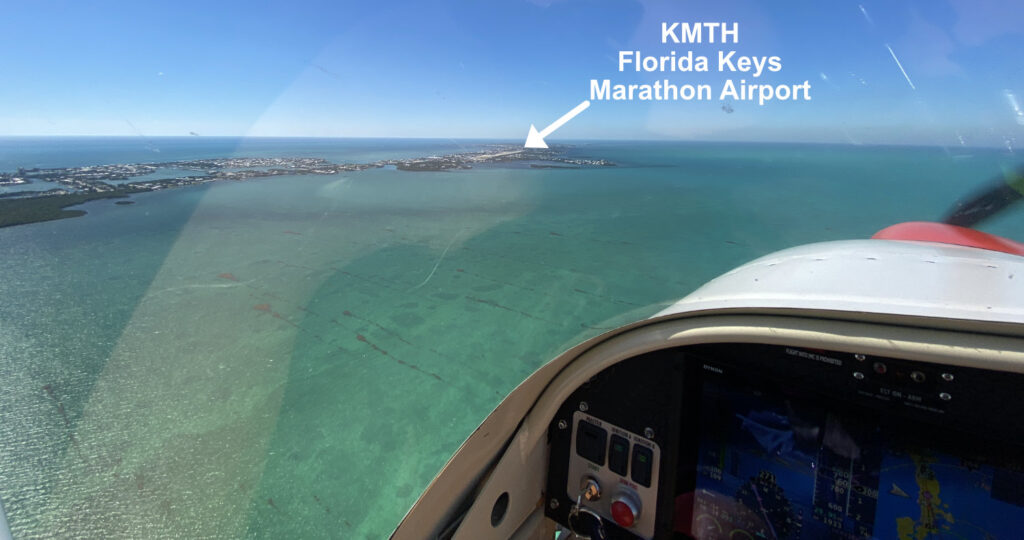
439	259
201	286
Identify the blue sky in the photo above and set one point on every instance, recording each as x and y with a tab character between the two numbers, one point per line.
490	69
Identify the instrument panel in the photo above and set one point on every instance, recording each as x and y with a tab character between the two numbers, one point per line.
765	441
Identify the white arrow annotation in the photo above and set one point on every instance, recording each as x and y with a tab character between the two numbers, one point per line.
535	139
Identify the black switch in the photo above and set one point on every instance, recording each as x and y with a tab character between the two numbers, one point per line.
643	459
591	442
618	456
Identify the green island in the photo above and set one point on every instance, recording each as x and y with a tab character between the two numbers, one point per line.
26	210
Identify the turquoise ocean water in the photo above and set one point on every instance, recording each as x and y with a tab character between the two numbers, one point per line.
296	357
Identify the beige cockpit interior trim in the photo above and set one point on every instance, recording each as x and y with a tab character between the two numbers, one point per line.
508	452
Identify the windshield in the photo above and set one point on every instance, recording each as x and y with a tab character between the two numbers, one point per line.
265	267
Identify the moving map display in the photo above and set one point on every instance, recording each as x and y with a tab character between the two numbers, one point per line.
778	466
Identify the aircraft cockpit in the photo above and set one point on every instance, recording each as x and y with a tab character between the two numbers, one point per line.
836	390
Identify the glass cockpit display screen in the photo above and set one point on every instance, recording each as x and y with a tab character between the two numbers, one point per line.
774	465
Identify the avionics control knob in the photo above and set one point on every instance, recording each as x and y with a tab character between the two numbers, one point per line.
625	509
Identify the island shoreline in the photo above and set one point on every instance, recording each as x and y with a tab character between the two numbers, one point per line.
83	184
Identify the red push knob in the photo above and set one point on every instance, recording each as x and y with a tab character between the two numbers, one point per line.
625	510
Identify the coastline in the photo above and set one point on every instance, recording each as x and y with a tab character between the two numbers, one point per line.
83	184
23	211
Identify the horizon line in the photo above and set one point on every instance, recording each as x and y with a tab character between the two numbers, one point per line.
502	140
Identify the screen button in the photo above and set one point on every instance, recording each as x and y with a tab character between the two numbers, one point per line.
643	459
618	455
591	442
